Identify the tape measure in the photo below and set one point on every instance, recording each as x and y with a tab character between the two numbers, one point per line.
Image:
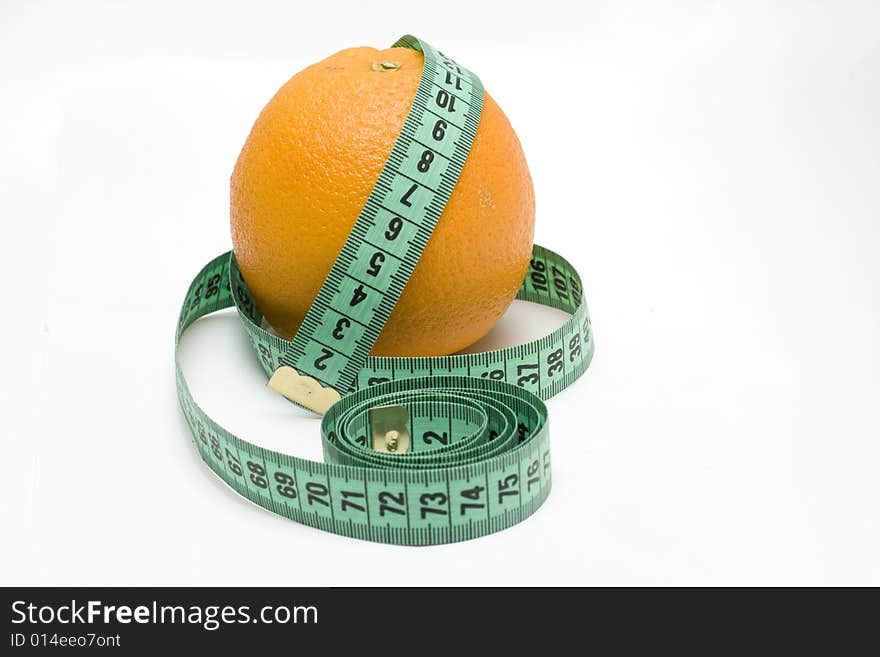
418	450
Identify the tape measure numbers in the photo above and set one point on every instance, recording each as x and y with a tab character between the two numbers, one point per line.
394	226
477	455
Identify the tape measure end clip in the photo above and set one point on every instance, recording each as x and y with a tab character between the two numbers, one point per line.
389	429
302	390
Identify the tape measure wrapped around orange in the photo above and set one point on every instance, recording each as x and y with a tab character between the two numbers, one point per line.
307	168
381	205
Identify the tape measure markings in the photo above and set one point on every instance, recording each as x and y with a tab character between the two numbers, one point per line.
479	459
331	354
526	364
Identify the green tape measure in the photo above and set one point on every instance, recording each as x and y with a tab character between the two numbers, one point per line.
418	451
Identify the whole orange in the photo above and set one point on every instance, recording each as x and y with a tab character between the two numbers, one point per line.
306	171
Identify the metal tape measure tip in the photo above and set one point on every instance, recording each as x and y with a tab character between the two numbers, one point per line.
302	390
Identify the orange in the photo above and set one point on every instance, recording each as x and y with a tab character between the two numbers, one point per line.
306	170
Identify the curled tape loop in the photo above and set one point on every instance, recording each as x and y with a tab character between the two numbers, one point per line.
418	451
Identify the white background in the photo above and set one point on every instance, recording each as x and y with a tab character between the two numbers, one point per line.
711	168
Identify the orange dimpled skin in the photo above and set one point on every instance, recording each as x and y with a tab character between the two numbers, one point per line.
306	170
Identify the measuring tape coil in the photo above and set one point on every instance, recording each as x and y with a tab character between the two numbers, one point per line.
478	456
